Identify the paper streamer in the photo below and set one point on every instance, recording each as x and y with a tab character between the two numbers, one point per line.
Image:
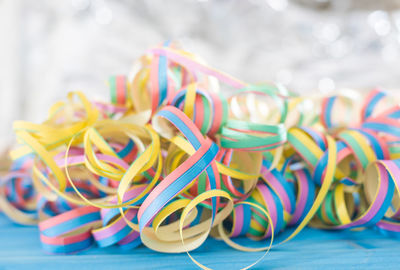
171	161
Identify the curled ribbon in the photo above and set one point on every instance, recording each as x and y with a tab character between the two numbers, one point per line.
170	161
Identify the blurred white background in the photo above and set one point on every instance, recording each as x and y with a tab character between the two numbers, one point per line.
48	47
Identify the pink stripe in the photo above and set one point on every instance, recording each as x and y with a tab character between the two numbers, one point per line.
238	225
109	107
249	131
81	159
129	238
323	112
66	216
389	111
342	154
375	206
227	179
15	174
121	90
270	204
302	195
186	120
129	195
367	101
394	172
278	188
63	241
195	66
191	161
154	84
115	227
384	120
390	226
381	142
256	147
217	113
199	108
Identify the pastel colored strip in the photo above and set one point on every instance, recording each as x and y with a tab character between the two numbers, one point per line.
378	145
127	149
74	160
301	144
227	180
131	241
238	221
214	118
381	203
155	90
113	89
394	112
370	103
162	79
121	90
277	183
188	63
69	221
176	182
192	133
393	168
183	123
386	125
114	232
305	196
327	106
67	245
234	135
389	225
317	137
359	147
321	165
274	207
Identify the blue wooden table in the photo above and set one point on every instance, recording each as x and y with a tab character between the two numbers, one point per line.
312	249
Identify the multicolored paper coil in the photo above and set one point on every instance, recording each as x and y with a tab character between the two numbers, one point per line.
174	159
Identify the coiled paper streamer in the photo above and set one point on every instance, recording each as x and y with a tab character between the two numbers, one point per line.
171	160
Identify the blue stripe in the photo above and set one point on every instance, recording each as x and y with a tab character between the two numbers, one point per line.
371	105
182	127
18	163
374	142
395	131
328	112
286	187
113	212
246	218
280	223
162	76
198	217
71	224
131	245
310	195
317	138
213	185
127	149
178	98
321	165
175	187
114	238
395	114
75	247
385	205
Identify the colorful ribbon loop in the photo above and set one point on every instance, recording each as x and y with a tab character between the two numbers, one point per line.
170	161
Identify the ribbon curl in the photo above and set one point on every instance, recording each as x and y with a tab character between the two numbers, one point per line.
170	161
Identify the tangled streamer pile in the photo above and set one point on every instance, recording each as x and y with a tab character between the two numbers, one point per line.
171	160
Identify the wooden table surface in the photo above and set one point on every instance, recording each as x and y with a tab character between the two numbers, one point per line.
312	249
